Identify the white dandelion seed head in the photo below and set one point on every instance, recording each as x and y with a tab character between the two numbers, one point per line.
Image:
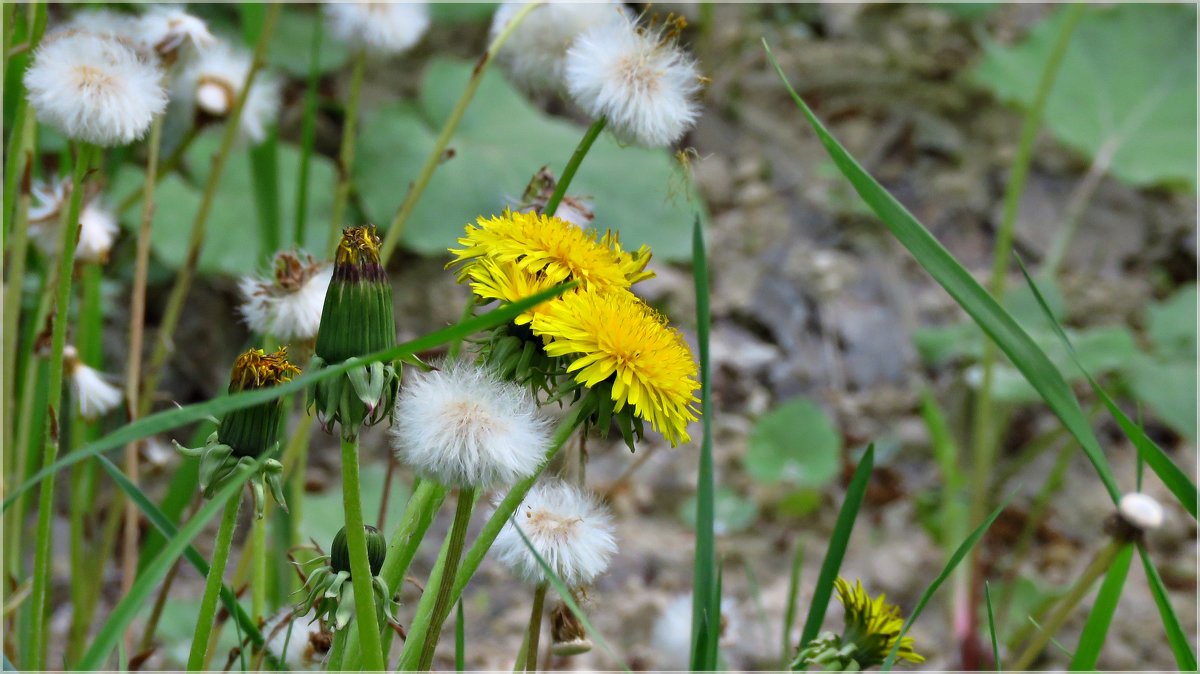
463	425
97	224
568	527
288	305
1141	510
639	80
104	22
384	27
49	197
168	28
94	88
213	80
97	230
534	56
307	645
94	395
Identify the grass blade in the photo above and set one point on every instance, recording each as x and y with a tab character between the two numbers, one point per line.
129	606
789	614
837	546
987	598
565	594
167	420
1096	628
1148	451
705	597
460	639
1184	657
997	323
957	557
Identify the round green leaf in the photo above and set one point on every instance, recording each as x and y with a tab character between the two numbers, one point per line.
794	443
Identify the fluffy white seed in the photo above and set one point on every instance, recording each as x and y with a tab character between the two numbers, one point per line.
97	224
534	56
307	645
384	27
94	396
463	425
641	82
167	29
1141	510
212	82
287	308
570	530
97	230
94	88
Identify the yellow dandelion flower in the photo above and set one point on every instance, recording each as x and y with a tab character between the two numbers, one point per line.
873	626
633	264
506	282
617	338
546	245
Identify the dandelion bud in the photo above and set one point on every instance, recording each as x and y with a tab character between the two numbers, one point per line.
636	78
568	635
871	630
94	88
339	552
94	395
567	527
534	57
356	320
245	434
211	83
465	426
385	27
287	306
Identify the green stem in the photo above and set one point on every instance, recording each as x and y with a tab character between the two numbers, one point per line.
54	389
198	656
360	568
183	278
568	174
443	602
396	228
338	651
258	569
535	628
346	154
22	117
13	287
1098	567
984	433
308	132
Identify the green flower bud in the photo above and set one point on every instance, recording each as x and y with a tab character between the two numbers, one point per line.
244	435
357	320
339	552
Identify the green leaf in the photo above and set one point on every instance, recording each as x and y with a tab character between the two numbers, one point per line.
1169	388
972	297
290	45
731	512
233	244
794	443
462	12
838	541
1176	637
957	557
501	143
1127	86
1171	324
166	420
127	609
1096	628
991	624
1171	475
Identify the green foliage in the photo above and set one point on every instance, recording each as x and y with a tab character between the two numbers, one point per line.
794	443
322	516
731	512
1165	377
500	144
1176	637
1127	86
290	46
234	247
1096	629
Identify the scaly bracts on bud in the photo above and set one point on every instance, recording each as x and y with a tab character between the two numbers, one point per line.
329	591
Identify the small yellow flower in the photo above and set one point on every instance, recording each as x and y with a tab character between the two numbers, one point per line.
872	625
633	264
553	248
506	282
258	369
618	339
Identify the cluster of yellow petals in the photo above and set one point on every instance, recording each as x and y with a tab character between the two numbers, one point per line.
614	335
506	282
873	621
359	245
258	369
552	249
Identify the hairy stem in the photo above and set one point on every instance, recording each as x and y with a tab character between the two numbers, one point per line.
568	174
396	228
360	568
162	168
198	656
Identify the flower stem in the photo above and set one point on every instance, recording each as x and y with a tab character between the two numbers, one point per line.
338	652
568	174
54	394
346	154
1098	567
360	568
163	168
535	628
15	283
258	568
396	228
198	656
443	602
183	279
308	132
